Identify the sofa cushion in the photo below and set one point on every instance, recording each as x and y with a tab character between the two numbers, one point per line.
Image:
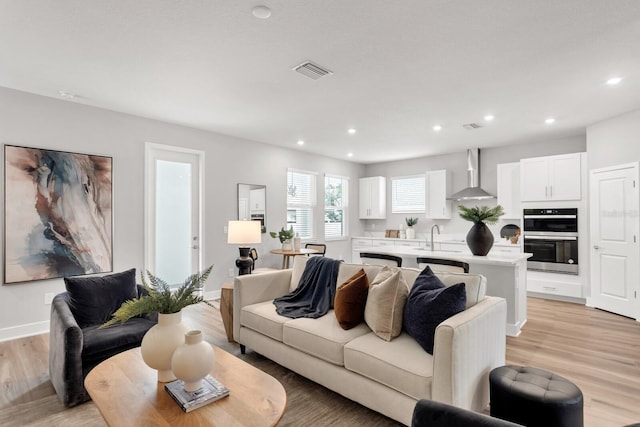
322	337
93	300
429	304
475	285
350	300
400	364
262	317
101	344
385	303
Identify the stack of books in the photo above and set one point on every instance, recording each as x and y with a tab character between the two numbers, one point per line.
210	391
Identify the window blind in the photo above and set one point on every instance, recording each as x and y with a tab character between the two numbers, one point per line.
335	206
301	199
408	194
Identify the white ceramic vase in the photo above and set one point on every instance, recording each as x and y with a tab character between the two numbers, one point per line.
287	245
411	233
192	360
159	343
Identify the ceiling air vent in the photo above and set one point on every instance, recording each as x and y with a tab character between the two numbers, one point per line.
472	126
311	70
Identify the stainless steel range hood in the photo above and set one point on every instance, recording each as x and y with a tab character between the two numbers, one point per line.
473	190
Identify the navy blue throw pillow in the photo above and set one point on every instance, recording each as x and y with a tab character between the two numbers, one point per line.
94	299
429	304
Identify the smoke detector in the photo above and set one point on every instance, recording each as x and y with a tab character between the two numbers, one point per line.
311	70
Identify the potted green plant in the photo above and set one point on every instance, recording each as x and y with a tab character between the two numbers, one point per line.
479	237
285	236
159	343
411	232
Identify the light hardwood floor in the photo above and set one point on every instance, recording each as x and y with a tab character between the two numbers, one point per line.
599	351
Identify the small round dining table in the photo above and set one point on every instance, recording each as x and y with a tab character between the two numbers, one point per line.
286	255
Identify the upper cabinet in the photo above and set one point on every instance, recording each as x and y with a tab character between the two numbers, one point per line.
550	178
508	176
438	186
373	197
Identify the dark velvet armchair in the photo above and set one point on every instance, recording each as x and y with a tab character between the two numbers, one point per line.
76	344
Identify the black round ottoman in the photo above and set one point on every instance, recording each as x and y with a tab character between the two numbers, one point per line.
534	397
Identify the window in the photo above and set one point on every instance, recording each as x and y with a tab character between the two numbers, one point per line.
408	194
336	196
301	199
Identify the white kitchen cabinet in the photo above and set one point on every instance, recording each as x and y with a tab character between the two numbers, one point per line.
550	178
373	198
257	198
554	284
508	176
438	184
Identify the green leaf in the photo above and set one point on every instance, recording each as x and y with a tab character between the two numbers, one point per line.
160	298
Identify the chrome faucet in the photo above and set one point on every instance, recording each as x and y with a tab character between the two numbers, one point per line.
437	228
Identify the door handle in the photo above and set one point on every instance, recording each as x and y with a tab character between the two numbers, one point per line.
596	247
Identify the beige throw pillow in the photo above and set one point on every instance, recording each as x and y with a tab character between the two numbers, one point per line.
385	304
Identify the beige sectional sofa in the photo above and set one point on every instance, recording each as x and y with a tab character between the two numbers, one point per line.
388	377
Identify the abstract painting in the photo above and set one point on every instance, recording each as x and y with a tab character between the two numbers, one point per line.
57	214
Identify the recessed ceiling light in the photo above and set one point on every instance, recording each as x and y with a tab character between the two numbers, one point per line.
351	131
261	12
614	81
66	95
488	118
349	154
437	128
300	142
550	120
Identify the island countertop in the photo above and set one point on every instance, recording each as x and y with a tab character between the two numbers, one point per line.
492	258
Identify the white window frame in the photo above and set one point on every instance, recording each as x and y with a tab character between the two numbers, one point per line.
344	208
412	184
310	205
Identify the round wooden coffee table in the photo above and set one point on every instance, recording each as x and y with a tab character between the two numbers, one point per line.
127	393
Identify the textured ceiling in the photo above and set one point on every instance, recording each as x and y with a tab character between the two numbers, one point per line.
399	67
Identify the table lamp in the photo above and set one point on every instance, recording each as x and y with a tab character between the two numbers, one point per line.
244	233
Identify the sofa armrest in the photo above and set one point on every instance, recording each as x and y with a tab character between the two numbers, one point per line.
467	347
254	288
65	353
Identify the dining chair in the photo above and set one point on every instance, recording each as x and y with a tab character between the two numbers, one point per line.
382	259
320	247
253	254
441	264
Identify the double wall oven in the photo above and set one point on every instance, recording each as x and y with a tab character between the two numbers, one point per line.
551	235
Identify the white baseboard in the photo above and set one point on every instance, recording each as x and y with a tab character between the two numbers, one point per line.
22	331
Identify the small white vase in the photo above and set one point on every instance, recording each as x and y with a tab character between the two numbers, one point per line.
159	343
192	360
287	246
411	233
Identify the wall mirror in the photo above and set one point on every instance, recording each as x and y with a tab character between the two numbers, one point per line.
252	203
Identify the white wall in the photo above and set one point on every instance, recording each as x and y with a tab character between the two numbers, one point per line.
614	141
36	121
457	162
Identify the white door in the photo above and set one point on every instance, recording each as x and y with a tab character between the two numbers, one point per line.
173	211
615	256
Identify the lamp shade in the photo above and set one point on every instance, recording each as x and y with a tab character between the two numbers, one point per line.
244	232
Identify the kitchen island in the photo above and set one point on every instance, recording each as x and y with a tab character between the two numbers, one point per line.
506	274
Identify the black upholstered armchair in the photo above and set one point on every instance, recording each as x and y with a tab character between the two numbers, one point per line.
76	344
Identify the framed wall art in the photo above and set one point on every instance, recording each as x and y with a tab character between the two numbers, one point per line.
57	214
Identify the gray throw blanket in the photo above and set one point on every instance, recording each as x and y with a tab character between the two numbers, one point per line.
314	295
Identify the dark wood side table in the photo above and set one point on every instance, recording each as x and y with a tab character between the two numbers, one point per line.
226	309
